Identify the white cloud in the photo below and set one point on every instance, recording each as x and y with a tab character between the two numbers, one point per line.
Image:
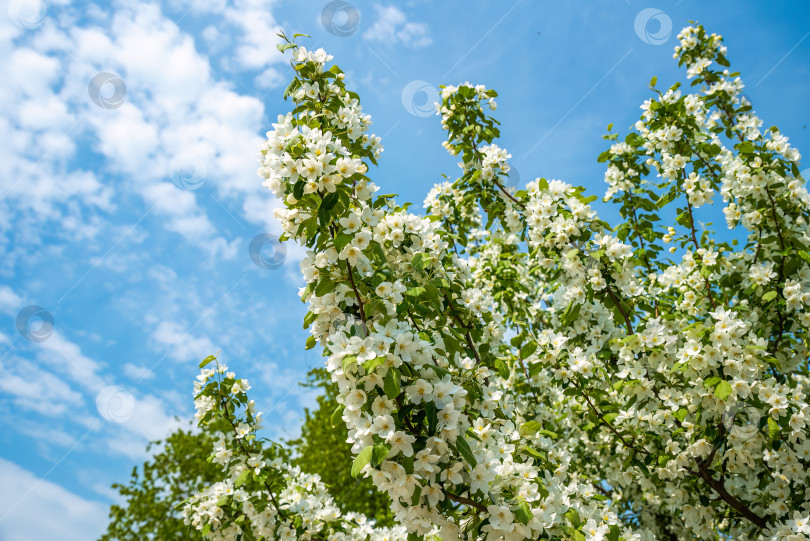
257	47
10	302
150	420
137	372
67	384
392	27
66	357
33	509
184	346
37	390
172	108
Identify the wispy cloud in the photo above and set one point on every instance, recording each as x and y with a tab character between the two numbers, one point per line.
25	499
393	27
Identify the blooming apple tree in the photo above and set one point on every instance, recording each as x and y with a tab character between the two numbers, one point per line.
513	367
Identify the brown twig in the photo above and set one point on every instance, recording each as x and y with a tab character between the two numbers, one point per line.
357	296
621	310
465	501
606	423
509	195
720	488
697	247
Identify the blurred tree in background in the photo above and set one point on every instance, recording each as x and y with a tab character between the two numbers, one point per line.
180	468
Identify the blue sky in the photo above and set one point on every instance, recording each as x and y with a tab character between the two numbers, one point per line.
129	197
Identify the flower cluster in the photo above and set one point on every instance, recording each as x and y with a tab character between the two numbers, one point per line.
260	496
512	367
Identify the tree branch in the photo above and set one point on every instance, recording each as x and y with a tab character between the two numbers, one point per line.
737	505
465	501
357	296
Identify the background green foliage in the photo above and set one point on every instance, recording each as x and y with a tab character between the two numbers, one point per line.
173	474
180	468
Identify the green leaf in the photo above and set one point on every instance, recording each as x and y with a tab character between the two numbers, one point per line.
311	342
391	383
347	362
323	287
337	415
530	428
207	360
710	382
298	189
415	291
379	454
534	453
363	458
242	479
523	513
341	241
465	451
769	296
723	390
573	518
371	364
502	368
773	428
330	200
528	349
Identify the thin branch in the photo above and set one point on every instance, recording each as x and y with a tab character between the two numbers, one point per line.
697	247
466	501
606	423
357	296
621	310
737	505
509	195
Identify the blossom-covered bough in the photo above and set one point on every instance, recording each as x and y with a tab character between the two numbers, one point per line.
512	367
261	497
